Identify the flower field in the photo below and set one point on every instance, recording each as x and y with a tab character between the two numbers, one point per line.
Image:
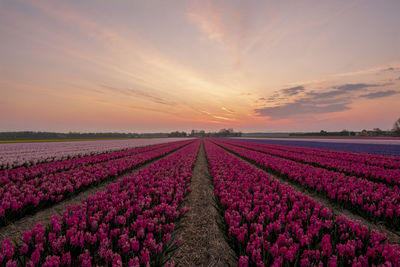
136	220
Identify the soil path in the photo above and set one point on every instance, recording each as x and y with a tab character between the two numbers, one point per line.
393	236
15	229
203	243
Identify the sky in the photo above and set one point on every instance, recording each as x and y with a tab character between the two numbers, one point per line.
150	66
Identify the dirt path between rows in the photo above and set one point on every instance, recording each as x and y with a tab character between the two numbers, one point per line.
15	230
393	237
203	243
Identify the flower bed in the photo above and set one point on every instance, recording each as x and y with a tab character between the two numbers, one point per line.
24	196
24	173
270	224
128	224
17	154
330	161
390	149
374	201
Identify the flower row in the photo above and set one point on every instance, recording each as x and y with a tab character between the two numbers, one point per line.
270	224
128	224
16	199
17	154
372	172
384	161
24	173
374	201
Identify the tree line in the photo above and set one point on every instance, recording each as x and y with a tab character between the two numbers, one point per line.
27	135
201	133
395	131
396	128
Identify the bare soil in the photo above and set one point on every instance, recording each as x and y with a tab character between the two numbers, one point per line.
203	243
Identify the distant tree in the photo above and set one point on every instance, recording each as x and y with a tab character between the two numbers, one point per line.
177	134
396	128
322	132
344	132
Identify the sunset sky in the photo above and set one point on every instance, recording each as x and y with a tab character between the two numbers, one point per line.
148	66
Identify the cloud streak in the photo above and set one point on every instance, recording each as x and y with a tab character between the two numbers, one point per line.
225	24
381	94
228	110
293	90
300	108
391	69
138	93
345	89
354	86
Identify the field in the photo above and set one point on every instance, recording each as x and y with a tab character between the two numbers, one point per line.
200	202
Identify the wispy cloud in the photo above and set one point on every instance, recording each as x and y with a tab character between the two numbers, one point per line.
228	110
380	94
293	90
374	71
354	86
138	93
223	118
224	24
304	106
391	69
340	90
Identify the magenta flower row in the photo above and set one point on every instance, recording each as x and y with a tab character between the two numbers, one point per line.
20	195
128	224
384	161
374	201
341	164
271	224
17	154
24	173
